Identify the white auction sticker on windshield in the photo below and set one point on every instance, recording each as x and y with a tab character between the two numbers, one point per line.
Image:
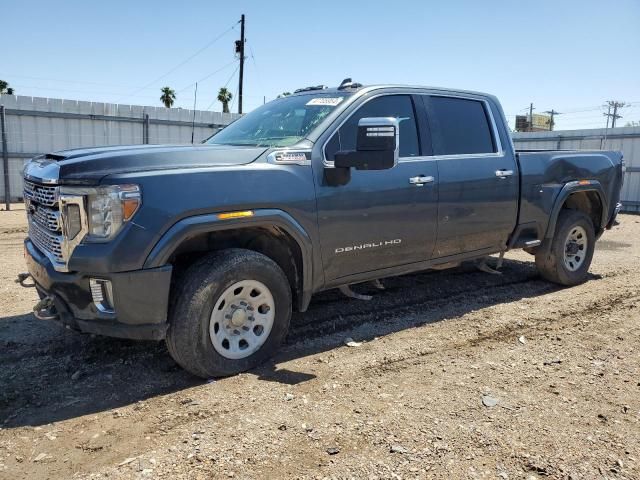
325	101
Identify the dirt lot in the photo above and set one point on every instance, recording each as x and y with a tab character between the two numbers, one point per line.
414	400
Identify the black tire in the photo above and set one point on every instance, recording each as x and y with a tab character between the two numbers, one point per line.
188	339
550	257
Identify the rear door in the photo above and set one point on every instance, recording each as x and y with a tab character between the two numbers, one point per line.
478	178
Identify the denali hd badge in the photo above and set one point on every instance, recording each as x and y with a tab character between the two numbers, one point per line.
362	246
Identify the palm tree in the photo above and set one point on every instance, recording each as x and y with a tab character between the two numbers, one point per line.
168	96
224	97
5	88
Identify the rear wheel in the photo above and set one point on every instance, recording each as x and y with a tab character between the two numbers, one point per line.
231	312
566	260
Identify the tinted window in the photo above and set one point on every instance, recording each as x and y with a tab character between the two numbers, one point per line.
459	126
398	106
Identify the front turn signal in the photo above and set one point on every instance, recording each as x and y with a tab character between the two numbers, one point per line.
230	215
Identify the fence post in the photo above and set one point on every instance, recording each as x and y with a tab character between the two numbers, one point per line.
145	129
5	159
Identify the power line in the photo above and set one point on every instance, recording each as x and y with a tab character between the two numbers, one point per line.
255	64
74	90
60	80
207	76
235	95
198	52
225	86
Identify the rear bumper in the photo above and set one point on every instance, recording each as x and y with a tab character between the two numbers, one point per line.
140	299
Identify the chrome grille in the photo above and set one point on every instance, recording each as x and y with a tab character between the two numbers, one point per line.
43	214
45	240
42	194
47	217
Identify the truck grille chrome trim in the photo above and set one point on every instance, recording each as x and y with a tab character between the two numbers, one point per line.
48	218
47	242
46	207
44	195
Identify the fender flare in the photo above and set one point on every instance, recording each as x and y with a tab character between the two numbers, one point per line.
569	189
197	224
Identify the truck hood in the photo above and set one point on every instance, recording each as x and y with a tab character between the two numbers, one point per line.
89	165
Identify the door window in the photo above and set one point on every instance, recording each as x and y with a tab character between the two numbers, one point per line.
460	126
398	106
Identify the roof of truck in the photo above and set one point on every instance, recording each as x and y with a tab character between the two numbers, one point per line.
367	88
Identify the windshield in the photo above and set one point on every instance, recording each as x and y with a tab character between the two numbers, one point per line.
280	123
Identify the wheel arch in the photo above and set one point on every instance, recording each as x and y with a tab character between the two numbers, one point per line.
586	196
271	232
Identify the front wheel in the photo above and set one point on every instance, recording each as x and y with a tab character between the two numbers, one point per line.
568	257
231	313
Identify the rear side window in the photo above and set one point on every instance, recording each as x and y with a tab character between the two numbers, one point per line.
460	126
398	106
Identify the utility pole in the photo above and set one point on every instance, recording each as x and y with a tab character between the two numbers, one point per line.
608	114
5	159
616	105
531	117
552	113
614	116
240	51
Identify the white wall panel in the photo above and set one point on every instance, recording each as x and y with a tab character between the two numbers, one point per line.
38	133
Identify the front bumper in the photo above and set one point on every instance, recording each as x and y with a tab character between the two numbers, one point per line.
140	297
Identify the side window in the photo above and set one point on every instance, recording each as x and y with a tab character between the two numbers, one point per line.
460	126
398	106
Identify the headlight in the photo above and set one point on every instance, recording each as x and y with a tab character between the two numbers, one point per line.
108	208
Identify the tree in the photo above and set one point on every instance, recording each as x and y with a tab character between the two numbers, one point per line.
168	96
633	124
284	94
5	88
224	97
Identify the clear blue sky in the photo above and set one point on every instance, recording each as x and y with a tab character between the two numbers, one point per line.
570	55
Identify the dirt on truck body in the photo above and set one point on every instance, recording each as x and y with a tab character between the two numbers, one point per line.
453	374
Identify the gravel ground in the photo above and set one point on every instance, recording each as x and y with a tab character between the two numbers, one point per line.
456	374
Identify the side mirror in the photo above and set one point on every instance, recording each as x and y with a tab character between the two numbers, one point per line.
377	145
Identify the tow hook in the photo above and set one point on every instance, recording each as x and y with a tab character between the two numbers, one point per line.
23	277
45	309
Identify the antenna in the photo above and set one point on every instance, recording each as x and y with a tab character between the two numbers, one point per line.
193	121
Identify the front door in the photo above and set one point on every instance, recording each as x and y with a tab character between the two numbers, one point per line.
382	218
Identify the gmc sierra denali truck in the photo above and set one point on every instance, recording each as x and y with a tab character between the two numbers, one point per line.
211	246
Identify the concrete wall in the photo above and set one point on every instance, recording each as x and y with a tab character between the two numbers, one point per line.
42	125
625	139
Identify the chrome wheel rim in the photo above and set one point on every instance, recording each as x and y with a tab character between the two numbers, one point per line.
242	319
575	248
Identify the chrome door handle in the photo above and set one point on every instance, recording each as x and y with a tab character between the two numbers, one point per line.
421	180
504	173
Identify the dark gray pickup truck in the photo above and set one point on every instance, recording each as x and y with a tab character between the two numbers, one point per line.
211	246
